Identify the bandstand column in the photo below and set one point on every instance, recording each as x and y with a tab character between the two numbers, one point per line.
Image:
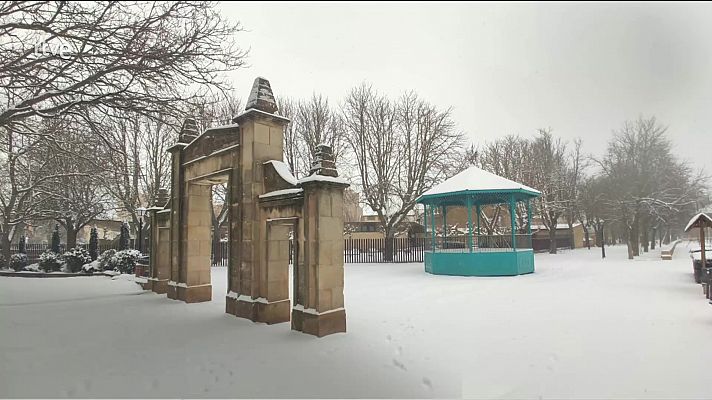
444	208
479	216
432	222
511	220
529	217
469	223
425	221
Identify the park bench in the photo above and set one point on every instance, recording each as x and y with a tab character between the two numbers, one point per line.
666	252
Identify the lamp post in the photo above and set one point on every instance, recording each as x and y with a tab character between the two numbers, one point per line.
140	212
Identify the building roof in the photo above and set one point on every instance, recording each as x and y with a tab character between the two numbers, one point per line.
699	220
543	227
483	187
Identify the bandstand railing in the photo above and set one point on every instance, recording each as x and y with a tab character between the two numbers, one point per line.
480	243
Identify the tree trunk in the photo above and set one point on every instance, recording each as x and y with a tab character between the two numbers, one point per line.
388	249
586	236
652	238
552	239
71	238
5	245
644	235
603	243
632	243
633	239
667	236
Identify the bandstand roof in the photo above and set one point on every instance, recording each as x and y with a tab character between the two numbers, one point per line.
482	187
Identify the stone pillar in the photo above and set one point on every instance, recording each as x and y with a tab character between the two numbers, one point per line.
177	285
160	260
261	135
274	280
322	312
193	283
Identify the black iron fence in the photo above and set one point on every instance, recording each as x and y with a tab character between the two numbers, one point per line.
33	250
543	244
384	250
368	250
413	249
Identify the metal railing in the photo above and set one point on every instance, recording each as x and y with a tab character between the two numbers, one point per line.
479	243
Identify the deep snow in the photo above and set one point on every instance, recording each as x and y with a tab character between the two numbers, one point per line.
580	327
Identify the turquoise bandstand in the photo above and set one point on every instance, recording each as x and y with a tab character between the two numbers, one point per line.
508	252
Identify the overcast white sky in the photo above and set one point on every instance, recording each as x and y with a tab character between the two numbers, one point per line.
581	69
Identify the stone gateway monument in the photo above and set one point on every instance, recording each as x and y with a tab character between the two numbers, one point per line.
268	208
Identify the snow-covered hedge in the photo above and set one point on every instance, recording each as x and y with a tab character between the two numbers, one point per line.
76	258
125	261
18	261
92	267
105	260
50	261
33	268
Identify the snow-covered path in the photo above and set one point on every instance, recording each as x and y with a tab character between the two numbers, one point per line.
580	327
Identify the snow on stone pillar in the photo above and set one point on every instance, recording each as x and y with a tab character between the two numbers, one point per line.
322	312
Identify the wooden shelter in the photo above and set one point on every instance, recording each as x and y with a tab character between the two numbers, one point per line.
700	221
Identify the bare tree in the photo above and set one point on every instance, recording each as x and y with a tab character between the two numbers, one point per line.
645	179
508	157
287	107
75	197
549	175
135	56
574	178
594	211
216	110
316	123
25	174
402	148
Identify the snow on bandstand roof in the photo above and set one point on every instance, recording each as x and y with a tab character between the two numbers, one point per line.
476	180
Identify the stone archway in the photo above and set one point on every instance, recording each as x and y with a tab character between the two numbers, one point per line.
264	199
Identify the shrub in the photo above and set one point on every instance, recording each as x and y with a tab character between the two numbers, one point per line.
3	262
105	259
33	267
94	244
18	261
75	258
125	260
50	261
92	267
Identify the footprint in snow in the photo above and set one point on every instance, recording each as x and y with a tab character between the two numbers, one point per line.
427	384
399	364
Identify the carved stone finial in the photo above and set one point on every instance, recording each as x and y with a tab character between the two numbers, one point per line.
323	161
189	131
261	97
161	197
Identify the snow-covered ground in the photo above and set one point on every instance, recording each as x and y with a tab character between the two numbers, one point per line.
580	327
